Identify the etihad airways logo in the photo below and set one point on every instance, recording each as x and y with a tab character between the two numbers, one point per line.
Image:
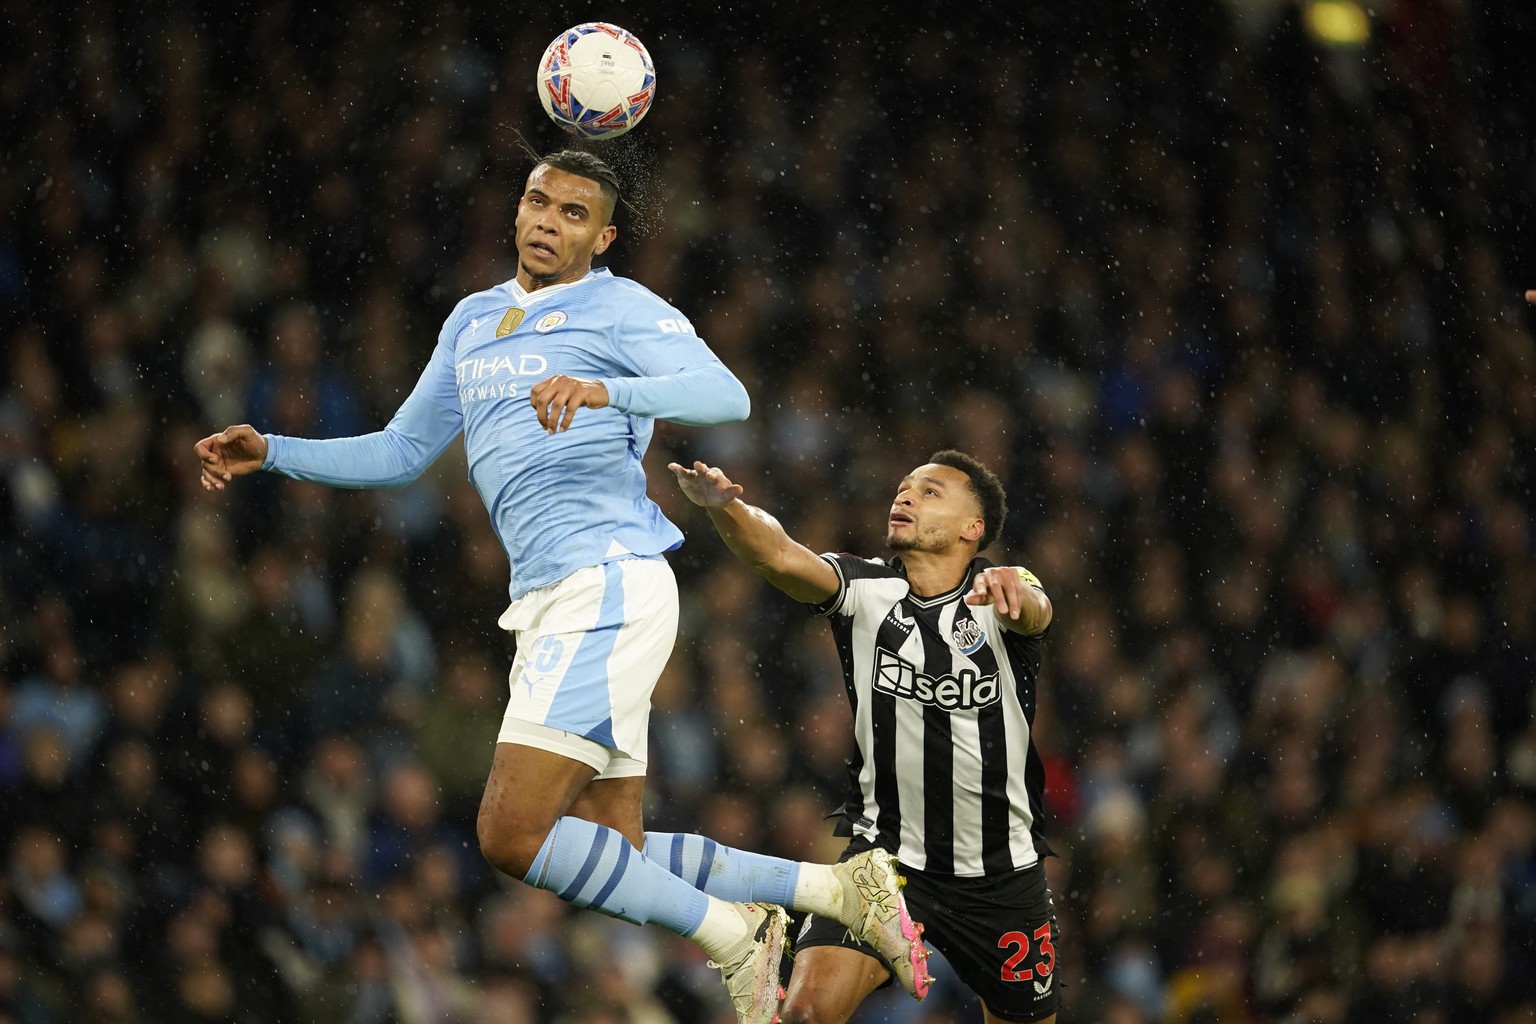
467	371
964	691
479	379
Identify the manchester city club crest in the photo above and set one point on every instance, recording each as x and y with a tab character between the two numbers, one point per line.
549	321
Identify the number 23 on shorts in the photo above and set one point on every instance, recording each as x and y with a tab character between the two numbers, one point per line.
1020	944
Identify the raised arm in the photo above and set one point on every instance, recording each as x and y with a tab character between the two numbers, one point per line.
392	457
426	424
756	537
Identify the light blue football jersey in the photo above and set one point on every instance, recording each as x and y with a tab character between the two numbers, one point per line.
561	501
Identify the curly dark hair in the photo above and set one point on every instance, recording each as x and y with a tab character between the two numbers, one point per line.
985	485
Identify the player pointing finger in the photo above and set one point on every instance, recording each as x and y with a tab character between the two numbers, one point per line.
1014	593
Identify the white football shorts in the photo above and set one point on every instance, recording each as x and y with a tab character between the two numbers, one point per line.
589	651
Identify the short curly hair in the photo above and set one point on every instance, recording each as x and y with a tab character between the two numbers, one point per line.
985	485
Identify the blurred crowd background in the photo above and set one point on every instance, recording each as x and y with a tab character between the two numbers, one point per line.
1227	293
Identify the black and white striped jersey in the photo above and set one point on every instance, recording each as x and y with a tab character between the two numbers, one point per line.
946	773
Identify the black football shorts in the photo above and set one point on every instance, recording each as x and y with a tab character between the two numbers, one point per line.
998	933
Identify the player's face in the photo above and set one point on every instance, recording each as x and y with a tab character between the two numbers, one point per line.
562	222
934	509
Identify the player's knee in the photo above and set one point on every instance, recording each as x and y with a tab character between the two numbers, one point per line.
796	1012
506	847
799	1009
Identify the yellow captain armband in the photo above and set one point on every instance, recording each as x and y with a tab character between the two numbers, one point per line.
1028	577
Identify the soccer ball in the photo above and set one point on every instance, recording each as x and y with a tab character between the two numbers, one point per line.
596	80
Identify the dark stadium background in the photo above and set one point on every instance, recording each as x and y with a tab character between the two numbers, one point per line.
1232	304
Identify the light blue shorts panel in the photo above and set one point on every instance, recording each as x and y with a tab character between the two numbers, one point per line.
589	651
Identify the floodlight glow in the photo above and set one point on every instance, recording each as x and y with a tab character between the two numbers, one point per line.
1338	22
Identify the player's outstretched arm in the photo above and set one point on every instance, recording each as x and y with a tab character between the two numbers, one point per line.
233	451
756	537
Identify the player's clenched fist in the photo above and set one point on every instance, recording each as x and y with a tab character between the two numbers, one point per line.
233	451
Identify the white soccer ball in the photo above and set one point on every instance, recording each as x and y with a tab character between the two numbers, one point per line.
596	80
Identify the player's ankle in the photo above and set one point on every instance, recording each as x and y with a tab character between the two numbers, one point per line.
723	933
819	890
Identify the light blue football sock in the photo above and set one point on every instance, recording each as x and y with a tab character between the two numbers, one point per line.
725	873
593	866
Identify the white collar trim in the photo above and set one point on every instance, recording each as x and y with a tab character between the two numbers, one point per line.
526	298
